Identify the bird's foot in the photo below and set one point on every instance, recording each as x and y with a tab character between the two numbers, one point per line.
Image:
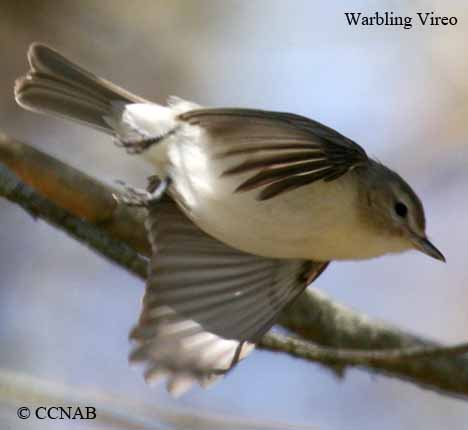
139	197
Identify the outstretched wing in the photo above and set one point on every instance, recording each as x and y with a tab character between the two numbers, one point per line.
281	151
206	304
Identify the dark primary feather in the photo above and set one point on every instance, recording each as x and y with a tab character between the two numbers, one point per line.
282	151
205	301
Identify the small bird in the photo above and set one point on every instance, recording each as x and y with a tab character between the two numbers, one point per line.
248	207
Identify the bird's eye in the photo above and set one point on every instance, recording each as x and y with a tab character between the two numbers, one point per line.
401	210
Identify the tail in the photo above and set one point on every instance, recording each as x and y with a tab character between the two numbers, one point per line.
55	85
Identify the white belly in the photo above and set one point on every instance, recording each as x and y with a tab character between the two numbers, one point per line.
319	221
322	221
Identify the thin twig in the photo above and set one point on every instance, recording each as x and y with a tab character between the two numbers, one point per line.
313	316
354	357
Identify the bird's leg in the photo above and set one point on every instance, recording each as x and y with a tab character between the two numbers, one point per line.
157	192
153	183
138	145
142	198
142	142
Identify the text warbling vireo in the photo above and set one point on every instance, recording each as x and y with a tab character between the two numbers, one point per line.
257	204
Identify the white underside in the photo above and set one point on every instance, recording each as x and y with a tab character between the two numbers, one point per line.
320	221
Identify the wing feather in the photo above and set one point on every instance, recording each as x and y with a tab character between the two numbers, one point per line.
282	151
206	304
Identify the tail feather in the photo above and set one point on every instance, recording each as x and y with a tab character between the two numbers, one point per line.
57	86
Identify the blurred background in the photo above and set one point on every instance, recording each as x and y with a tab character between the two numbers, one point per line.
402	94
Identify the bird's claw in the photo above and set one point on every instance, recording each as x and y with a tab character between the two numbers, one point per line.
139	197
132	196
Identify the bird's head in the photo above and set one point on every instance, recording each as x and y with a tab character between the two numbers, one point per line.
396	210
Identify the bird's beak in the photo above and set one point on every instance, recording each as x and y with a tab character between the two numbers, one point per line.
424	245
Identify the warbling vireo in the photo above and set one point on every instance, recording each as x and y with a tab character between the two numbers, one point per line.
257	204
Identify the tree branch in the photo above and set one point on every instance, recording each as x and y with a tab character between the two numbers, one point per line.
355	357
84	208
92	236
75	192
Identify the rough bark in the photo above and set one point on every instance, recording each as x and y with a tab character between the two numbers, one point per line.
331	334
